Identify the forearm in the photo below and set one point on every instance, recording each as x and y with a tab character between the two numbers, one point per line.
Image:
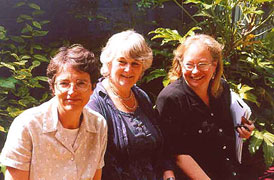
16	174
191	168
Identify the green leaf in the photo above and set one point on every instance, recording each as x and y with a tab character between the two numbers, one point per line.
22	74
37	12
25	30
44	97
44	22
13	112
26	17
155	74
166	81
41	57
21	63
26	37
2	129
8	82
25	57
39	33
17	39
34	6
15	56
255	141
8	65
34	64
29	27
37	46
19	4
36	24
42	78
268	147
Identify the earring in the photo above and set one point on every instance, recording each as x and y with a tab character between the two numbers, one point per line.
213	77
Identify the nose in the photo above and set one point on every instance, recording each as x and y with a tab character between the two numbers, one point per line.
71	89
127	68
195	69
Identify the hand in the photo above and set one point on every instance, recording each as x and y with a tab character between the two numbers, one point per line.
246	128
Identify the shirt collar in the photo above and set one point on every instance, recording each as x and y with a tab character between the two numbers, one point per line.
50	118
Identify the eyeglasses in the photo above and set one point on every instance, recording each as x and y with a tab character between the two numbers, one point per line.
202	66
80	85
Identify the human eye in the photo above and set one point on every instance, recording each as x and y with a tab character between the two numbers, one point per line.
63	84
189	65
136	64
203	64
122	62
81	83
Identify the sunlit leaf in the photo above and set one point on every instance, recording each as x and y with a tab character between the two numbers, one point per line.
2	129
41	57
34	6
36	24
8	65
39	33
21	63
42	78
255	142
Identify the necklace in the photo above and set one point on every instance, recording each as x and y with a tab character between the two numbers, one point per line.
128	107
117	95
122	99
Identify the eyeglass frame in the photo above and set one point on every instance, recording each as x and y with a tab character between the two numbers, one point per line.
197	66
74	86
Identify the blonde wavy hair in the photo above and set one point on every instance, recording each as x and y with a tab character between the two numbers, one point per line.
215	50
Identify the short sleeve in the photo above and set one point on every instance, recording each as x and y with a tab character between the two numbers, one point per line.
104	146
18	146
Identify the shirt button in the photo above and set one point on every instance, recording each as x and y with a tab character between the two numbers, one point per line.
224	147
72	159
220	130
211	114
227	159
200	131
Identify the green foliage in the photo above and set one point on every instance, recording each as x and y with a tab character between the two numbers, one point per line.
20	56
248	56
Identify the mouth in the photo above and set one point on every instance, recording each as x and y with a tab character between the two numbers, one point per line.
127	77
197	78
72	100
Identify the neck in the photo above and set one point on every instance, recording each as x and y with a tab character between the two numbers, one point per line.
124	94
203	94
70	120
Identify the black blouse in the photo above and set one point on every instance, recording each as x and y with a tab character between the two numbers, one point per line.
205	133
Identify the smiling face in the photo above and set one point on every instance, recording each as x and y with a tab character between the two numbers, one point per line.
198	54
124	73
74	98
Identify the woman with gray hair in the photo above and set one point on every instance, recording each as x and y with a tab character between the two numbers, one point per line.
133	137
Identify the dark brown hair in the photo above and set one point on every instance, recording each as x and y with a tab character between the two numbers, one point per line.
78	57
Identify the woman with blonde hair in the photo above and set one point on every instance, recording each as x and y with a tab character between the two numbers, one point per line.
195	116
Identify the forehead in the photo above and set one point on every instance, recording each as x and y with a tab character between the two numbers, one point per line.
197	51
128	59
67	72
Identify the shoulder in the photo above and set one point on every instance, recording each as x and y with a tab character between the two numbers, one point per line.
34	115
173	91
95	120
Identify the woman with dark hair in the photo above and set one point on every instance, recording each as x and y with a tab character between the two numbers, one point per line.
60	139
195	116
134	140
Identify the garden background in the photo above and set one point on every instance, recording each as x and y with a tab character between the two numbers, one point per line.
32	30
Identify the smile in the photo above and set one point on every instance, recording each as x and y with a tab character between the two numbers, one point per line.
197	78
